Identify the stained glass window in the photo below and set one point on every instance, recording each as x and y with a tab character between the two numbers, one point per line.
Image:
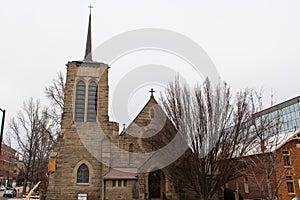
83	174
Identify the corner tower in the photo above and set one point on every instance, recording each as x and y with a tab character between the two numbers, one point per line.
79	172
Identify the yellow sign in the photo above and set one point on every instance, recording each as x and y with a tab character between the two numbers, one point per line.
51	165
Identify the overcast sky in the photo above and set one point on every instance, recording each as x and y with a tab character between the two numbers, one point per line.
252	43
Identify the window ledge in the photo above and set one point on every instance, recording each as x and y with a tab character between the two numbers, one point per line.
83	184
291	194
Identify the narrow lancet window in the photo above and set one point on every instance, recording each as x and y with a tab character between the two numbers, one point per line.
80	102
131	153
92	102
152	113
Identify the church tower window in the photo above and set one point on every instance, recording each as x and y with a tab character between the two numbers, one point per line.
83	174
92	102
80	102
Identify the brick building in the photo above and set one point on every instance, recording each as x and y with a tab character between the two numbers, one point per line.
289	168
287	151
8	172
280	167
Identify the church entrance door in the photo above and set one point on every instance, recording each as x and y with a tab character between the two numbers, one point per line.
154	185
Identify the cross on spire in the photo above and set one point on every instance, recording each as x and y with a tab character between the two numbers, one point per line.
151	91
90	7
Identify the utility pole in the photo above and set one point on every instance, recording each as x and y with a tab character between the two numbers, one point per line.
2	127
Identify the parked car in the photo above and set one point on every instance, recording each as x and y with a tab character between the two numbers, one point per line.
2	188
10	192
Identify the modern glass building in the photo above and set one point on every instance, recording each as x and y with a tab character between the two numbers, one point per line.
288	113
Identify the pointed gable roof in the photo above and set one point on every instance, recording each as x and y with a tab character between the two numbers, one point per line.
155	138
144	116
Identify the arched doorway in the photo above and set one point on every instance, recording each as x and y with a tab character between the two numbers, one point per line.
156	185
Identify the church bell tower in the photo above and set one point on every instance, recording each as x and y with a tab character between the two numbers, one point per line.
78	171
86	88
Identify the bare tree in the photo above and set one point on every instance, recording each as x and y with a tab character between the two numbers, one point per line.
35	130
31	129
213	124
55	93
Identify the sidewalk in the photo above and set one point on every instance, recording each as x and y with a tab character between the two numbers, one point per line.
19	195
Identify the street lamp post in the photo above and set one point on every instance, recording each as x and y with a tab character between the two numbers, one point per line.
2	127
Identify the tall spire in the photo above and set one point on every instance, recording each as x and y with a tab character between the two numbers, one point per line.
88	48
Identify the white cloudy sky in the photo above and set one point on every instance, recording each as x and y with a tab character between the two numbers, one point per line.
253	43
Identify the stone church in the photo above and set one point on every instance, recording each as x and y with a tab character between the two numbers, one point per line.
93	159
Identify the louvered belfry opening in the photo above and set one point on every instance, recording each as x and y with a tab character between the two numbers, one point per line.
80	101
92	102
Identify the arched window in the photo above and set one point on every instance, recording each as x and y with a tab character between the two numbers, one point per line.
83	174
92	102
80	101
152	113
131	153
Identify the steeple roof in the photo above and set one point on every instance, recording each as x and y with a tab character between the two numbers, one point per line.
88	48
144	112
